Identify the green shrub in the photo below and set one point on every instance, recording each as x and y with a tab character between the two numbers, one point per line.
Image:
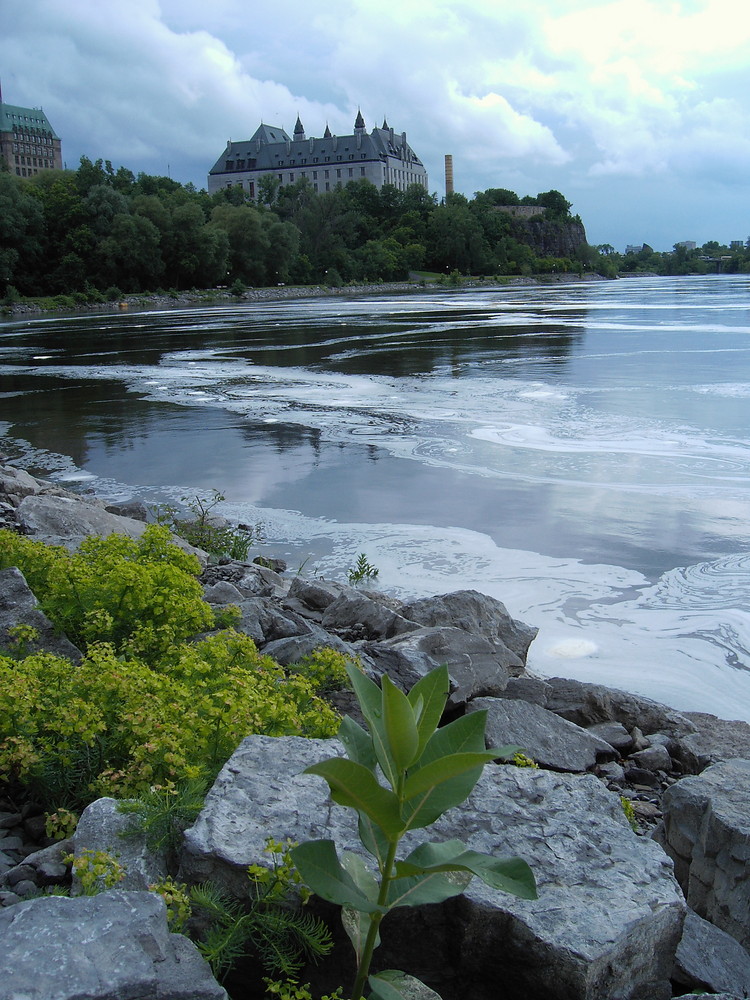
141	596
113	726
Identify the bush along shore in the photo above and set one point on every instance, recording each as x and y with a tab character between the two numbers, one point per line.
169	730
114	299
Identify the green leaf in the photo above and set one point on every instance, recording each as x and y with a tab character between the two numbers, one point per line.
439	786
319	866
427	887
439	771
370	699
357	923
463	735
373	839
431	693
392	985
357	743
353	785
399	726
511	875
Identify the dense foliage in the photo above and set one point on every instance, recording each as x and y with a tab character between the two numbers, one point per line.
148	705
101	232
711	258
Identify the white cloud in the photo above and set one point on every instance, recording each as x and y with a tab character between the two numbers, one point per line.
560	93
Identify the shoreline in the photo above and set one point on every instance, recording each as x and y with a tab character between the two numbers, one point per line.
136	301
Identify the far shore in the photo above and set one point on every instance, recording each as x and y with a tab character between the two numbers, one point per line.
223	296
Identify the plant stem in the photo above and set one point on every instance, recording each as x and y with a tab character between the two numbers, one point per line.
372	933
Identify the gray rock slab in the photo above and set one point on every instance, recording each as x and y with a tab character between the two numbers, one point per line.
613	733
653	758
707	958
62	521
114	946
586	704
316	594
551	741
19	606
372	619
716	740
103	828
531	689
477	613
17	482
477	668
707	833
605	926
293	648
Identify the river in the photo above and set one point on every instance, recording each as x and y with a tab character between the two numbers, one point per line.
580	451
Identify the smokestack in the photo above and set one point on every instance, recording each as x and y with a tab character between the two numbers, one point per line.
448	174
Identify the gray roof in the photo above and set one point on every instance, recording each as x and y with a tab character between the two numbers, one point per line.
271	148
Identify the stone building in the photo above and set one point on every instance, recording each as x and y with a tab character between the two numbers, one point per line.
28	143
381	156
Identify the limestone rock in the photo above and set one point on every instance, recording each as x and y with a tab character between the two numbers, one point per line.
102	828
605	926
716	739
549	740
114	946
19	606
586	704
709	959
17	482
316	594
476	666
476	613
371	619
613	733
63	521
707	833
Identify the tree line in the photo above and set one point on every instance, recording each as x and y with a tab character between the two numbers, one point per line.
711	258
97	229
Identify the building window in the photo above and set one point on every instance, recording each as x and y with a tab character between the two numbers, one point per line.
325	172
281	178
315	175
228	165
315	188
362	171
291	178
351	171
251	188
328	186
338	173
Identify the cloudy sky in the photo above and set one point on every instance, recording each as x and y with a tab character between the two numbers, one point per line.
637	110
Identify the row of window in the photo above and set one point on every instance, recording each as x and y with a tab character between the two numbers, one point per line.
32	134
23	147
29	161
23	172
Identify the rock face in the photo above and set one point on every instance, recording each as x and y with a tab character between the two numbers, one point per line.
102	828
549	740
19	606
707	833
609	913
708	959
114	946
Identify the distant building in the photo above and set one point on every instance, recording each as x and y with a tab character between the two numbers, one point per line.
736	245
381	157
687	244
28	143
634	249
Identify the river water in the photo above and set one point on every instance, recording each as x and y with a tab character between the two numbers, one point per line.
581	452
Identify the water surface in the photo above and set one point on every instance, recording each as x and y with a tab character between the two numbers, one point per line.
581	452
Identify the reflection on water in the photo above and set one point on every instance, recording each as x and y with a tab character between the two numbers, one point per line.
580	452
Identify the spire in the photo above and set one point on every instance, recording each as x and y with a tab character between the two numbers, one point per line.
299	129
359	124
327	133
385	124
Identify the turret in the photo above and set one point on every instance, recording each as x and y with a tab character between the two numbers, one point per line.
359	124
299	129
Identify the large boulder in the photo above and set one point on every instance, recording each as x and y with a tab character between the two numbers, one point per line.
551	741
361	617
707	833
586	704
476	613
716	740
114	946
709	959
477	668
64	521
102	827
609	914
19	606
